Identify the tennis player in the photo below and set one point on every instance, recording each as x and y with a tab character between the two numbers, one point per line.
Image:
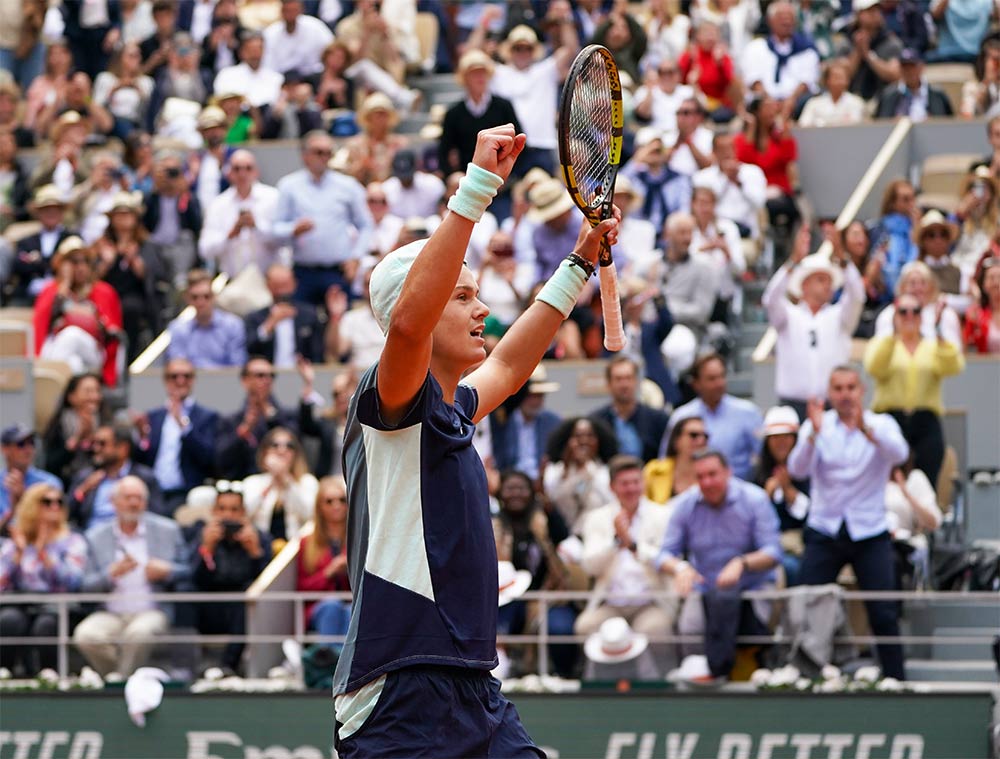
414	676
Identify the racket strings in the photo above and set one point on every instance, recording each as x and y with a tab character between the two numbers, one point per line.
590	117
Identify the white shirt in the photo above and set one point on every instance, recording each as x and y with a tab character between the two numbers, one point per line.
847	473
260	87
759	65
497	292
251	246
534	93
167	466
740	203
386	233
663	111
209	174
133	591
811	345
298	500
951	326
636	241
364	336
628	583
301	50
734	264
419	199
901	515
98	203
201	19
682	159
821	111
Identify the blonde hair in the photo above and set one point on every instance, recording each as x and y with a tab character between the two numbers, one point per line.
318	540
299	464
991	219
918	269
26	513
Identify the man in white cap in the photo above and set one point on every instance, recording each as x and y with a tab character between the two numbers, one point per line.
427	552
814	335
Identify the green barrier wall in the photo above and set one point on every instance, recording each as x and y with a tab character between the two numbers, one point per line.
632	726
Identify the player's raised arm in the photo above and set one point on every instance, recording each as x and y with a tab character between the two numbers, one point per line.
522	347
411	287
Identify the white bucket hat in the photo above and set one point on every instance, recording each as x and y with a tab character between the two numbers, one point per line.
810	265
512	582
387	281
615	642
780	420
693	668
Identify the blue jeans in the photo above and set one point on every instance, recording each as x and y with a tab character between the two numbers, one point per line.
314	281
331	617
26	69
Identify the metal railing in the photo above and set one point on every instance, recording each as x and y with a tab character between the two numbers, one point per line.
65	602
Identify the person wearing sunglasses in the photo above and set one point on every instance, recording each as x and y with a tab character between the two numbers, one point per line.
213	338
908	369
17	445
280	499
674	473
42	556
982	321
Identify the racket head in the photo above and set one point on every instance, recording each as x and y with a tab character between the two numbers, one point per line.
591	124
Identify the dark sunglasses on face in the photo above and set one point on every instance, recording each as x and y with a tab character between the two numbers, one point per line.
935	233
28	441
915	311
49	501
286	444
694	435
177	376
261	375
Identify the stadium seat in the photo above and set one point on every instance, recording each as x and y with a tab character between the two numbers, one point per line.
50	381
950	77
941	179
15	338
427	34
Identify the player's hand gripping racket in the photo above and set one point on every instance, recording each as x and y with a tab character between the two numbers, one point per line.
590	148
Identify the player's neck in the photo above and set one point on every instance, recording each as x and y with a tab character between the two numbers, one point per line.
447	376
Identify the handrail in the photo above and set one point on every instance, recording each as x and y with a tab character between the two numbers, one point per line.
159	344
857	198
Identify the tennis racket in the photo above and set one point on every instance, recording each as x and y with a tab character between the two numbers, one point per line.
591	120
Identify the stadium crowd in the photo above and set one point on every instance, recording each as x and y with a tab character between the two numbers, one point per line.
144	185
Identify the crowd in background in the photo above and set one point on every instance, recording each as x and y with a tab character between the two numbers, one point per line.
143	117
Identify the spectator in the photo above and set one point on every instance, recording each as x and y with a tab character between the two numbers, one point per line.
369	155
530	80
982	320
336	87
180	78
717	241
935	237
314	206
50	85
674	473
125	90
908	369
847	454
230	554
527	535
503	282
892	235
873	51
814	335
173	214
22	52
321	562
69	436
962	26
131	558
131	264
689	283
353	335
624	37
740	188
13	180
96	195
62	165
387	225
289	329
818	19
835	106
693	149
18	450
240	433
576	479
912	96
137	20
239	220
12	114
767	142
558	222
636	235
789	497
32	267
207	166
93	30
212	338
637	427
784	65
722	539
90	493
978	216
520	434
156	48
296	42
178	439
250	78
732	423
661	95
42	556
707	66
478	110
737	22
410	191
139	161
911	22
912	514
917	280
369	34
664	190
281	498
332	421
295	113
220	41
667	30
620	541
77	317
980	95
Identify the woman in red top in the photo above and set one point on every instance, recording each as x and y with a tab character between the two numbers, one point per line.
78	318
767	142
982	320
322	560
707	66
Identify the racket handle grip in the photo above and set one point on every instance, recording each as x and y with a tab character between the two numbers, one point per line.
614	333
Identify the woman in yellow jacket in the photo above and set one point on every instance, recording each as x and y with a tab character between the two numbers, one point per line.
908	370
664	478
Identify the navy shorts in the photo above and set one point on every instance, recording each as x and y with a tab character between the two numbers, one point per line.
441	712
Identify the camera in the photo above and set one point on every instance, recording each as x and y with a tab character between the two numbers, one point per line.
230	528
172	172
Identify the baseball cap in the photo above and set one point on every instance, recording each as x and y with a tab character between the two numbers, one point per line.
15	434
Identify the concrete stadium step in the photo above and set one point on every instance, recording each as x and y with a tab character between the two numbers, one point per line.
972	614
751	333
951	671
944	650
740	384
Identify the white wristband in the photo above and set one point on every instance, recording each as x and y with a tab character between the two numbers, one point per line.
563	288
475	193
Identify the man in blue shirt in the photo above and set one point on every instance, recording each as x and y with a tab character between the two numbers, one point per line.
213	338
728	531
17	444
638	427
413	678
848	453
316	209
732	423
